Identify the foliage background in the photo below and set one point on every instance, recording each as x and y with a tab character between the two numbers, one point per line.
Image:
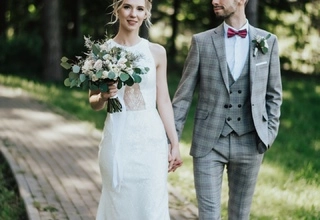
35	33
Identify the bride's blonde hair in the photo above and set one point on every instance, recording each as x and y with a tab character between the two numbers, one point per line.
117	4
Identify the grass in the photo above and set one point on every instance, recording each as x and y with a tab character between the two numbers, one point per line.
289	182
11	205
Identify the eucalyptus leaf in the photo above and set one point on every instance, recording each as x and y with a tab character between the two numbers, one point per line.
93	86
75	68
111	75
136	78
103	87
85	85
73	75
269	35
99	74
124	77
120	84
95	49
264	50
130	81
64	59
65	65
146	69
82	77
74	82
66	82
137	70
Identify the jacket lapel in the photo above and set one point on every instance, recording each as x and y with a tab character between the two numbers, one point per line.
253	59
218	42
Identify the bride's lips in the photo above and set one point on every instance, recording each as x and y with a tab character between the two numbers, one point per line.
132	22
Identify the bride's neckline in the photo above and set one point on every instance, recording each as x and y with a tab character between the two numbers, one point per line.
128	46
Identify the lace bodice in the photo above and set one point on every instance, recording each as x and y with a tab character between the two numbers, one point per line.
140	96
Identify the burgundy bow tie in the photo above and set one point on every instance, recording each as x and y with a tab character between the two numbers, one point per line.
241	33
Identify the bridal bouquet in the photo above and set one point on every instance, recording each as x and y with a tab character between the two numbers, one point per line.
103	64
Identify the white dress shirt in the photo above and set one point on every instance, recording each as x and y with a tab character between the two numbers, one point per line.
237	49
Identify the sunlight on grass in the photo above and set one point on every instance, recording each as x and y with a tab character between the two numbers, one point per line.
288	186
316	145
287	95
278	193
282	193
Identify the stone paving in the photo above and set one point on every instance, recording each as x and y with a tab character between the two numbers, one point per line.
54	160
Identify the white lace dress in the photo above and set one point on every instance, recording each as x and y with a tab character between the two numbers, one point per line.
133	155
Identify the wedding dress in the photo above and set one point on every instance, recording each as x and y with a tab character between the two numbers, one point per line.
133	153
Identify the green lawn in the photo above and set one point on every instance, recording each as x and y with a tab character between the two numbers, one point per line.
289	181
11	206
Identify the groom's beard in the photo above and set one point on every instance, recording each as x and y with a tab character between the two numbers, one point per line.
225	16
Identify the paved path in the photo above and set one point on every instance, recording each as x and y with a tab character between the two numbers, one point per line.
54	160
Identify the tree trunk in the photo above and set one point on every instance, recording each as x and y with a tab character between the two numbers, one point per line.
174	26
52	70
252	12
3	8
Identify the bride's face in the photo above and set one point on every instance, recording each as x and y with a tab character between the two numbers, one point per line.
132	14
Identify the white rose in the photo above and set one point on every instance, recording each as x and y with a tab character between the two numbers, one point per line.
87	66
106	57
105	74
129	71
258	38
103	47
122	60
98	65
94	77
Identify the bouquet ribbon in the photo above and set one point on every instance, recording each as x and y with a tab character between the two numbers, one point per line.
117	121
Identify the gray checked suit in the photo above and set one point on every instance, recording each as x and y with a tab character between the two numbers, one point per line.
206	69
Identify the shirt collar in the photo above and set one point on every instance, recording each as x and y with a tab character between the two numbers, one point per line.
226	26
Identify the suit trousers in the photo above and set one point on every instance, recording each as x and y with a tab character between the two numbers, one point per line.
242	160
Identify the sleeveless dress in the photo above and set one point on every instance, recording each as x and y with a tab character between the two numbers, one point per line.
133	153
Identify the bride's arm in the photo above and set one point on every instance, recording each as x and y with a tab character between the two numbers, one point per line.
164	105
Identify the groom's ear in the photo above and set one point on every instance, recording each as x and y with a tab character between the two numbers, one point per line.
243	2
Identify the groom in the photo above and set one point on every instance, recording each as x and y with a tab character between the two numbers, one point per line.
238	107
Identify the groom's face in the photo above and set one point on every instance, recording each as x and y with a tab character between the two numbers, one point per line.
225	8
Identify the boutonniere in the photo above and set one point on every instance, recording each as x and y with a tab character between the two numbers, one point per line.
260	43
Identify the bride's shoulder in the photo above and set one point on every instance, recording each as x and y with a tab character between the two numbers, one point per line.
157	49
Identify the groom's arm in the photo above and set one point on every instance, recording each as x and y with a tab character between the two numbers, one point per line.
184	94
274	92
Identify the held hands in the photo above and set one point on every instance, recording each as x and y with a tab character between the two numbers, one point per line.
174	158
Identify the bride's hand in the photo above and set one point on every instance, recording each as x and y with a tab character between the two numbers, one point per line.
111	93
174	158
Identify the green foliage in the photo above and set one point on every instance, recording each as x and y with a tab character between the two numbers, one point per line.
296	23
21	54
11	206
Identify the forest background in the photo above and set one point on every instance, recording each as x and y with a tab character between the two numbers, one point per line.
35	34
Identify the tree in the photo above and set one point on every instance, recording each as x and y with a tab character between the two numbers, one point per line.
252	12
52	70
3	8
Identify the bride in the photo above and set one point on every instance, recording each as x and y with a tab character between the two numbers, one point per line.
134	154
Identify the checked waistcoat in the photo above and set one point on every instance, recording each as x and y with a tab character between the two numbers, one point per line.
238	110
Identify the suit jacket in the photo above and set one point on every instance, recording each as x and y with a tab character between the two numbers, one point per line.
206	68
